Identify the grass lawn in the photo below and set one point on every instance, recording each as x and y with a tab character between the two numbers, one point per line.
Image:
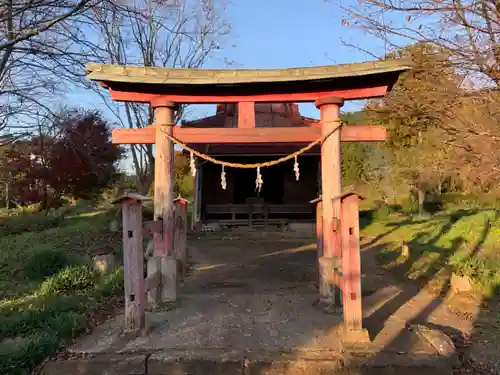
465	241
48	290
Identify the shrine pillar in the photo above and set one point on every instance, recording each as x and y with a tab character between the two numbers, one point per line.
330	187
351	270
164	197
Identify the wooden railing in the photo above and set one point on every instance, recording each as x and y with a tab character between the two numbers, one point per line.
136	285
251	209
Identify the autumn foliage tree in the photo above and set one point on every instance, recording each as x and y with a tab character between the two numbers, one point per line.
183	179
466	32
77	160
468	29
22	172
415	112
83	155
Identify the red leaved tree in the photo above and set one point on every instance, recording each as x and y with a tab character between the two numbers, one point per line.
21	171
77	160
83	161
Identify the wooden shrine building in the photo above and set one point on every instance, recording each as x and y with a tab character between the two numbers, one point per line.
257	118
284	194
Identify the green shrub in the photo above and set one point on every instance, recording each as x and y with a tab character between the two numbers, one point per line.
20	319
41	325
147	212
382	213
20	359
70	280
485	271
23	210
408	206
50	298
185	186
433	205
469	201
33	349
45	262
34	222
59	212
112	284
46	322
83	205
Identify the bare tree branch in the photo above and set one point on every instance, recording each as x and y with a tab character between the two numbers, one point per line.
470	29
150	33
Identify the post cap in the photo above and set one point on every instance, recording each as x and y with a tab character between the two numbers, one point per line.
316	200
329	100
348	194
161	102
181	200
343	196
130	195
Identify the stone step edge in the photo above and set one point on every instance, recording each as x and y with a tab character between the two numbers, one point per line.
169	362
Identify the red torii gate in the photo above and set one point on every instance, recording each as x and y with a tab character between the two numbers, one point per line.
327	86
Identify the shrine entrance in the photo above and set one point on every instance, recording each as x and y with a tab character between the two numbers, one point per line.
328	86
285	194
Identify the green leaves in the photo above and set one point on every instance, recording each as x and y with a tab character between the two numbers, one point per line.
45	262
47	291
75	279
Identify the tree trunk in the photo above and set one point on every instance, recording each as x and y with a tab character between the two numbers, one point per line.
421	199
45	198
144	182
7	197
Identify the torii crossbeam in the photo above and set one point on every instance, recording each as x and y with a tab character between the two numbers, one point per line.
327	86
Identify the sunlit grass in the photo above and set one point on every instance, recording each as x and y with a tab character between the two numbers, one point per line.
464	241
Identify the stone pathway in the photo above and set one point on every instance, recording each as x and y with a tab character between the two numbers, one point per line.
254	298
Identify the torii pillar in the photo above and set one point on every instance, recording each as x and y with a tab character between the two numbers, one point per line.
164	197
331	178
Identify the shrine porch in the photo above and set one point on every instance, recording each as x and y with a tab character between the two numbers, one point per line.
249	305
284	196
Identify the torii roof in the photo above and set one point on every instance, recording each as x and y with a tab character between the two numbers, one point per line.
173	81
185	76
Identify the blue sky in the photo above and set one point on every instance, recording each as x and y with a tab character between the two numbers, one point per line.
287	33
272	34
278	34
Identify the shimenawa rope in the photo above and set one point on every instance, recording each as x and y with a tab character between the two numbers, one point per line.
253	165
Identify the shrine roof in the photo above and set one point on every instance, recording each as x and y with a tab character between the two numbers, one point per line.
266	115
120	74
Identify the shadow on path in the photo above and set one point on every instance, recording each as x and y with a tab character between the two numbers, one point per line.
417	299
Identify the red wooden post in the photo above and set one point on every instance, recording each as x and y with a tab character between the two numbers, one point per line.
133	261
164	197
330	184
319	228
246	115
351	268
319	236
321	281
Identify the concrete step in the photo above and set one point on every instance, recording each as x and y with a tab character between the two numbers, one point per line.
233	362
